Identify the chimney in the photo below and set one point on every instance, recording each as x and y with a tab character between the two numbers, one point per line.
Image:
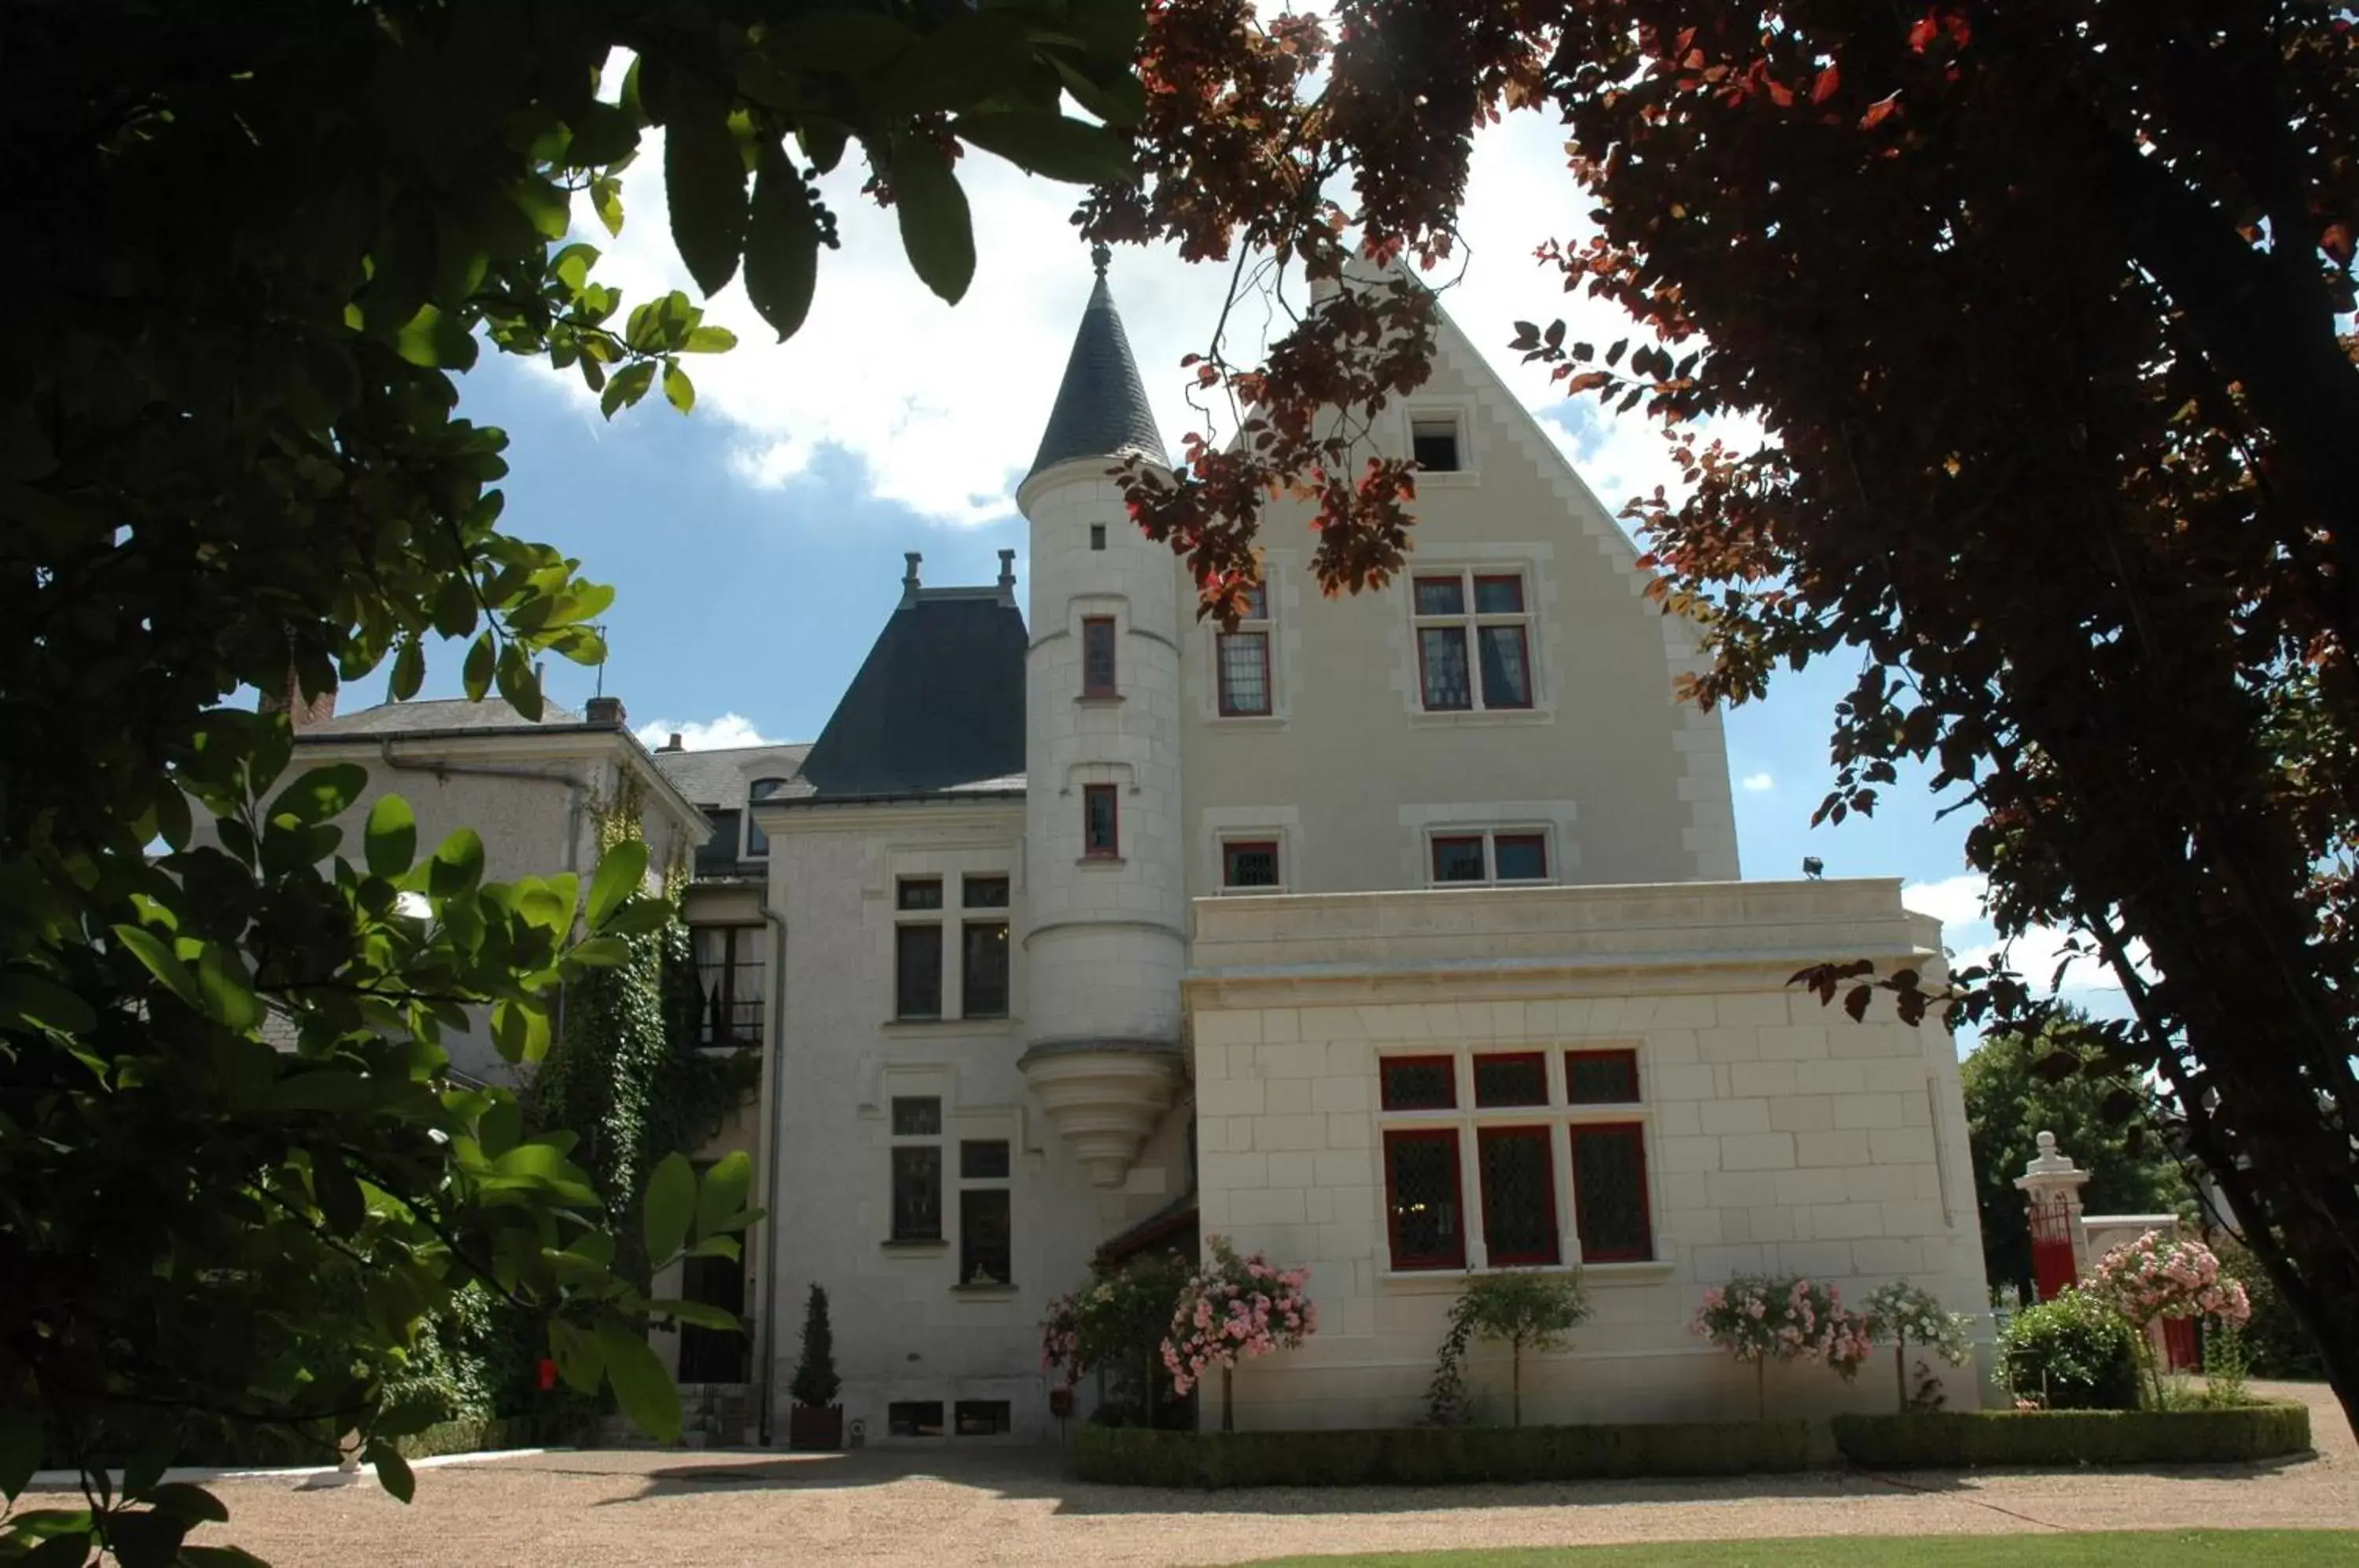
1007	577
301	713
606	710
675	744
910	577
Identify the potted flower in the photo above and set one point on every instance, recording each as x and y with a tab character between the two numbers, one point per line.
816	1421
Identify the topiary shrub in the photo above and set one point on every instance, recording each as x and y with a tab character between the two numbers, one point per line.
1522	1310
1956	1440
2074	1353
816	1383
1422	1456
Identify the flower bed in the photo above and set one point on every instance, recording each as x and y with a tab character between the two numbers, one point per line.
1411	1456
1956	1440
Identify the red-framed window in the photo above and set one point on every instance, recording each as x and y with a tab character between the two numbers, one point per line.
1417	1082
1250	862
1610	1208
1510	1078
1519	1175
1101	823
1423	1204
1600	1077
1097	656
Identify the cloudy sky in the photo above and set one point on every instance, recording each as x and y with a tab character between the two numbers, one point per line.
757	542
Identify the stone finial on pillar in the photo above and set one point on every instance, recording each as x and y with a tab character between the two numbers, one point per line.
2050	1185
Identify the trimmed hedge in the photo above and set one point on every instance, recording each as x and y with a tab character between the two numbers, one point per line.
1415	1456
483	1434
1951	1440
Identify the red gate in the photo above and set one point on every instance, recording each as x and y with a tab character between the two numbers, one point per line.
2054	1268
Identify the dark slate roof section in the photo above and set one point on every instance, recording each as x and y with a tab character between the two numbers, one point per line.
440	716
1101	407
939	705
724	777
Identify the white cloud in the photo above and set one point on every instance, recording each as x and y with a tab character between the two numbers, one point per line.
728	730
1966	930
1758	782
945	405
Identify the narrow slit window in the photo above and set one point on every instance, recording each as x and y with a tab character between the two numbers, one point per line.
1097	656
1241	658
1101	823
1097	536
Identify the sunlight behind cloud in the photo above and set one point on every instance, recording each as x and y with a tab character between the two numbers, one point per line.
1758	782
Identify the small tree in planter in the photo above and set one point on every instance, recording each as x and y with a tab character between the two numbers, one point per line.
1526	1311
1905	1315
1762	1320
816	1421
1234	1306
2158	1276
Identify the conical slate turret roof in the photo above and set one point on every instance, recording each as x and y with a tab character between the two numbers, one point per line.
1101	409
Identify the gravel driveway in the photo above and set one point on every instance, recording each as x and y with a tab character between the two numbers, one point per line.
941	1507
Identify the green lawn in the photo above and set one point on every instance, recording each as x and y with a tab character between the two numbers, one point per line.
2148	1549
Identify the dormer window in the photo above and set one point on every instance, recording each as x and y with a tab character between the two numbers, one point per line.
1433	441
757	843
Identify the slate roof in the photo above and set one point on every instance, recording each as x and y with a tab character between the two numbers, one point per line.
723	777
1101	407
440	715
937	706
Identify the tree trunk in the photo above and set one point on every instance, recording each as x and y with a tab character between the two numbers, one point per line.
1900	1372
1761	1387
1228	1406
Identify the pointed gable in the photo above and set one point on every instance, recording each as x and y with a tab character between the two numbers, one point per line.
1101	405
938	705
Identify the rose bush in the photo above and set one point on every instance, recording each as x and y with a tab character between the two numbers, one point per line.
2159	1276
1906	1315
1762	1320
1234	1307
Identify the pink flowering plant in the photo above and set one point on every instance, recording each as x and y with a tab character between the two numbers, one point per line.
2159	1276
1235	1308
1762	1320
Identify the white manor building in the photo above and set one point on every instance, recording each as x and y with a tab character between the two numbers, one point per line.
1398	935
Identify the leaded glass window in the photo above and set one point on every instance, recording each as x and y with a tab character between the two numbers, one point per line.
1422	1197
1518	1194
1517	1078
1600	1077
1418	1082
1609	1193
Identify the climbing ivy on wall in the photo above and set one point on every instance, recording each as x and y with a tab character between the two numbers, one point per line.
624	1073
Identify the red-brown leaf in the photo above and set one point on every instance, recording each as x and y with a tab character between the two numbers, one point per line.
1829	80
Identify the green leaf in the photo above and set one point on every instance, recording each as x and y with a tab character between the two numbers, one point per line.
671	1205
704	179
1113	93
227	990
642	1386
721	1196
645	913
21	1443
454	607
936	228
581	1359
782	246
390	839
172	816
702	1315
628	386
621	871
715	1247
190	1502
476	676
600	953
606	201
329	1089
408	670
320	792
844	39
678	390
457	866
520	1032
1049	144
44	1004
392	1471
162	963
338	1194
70	1550
708	339
518	683
432	339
